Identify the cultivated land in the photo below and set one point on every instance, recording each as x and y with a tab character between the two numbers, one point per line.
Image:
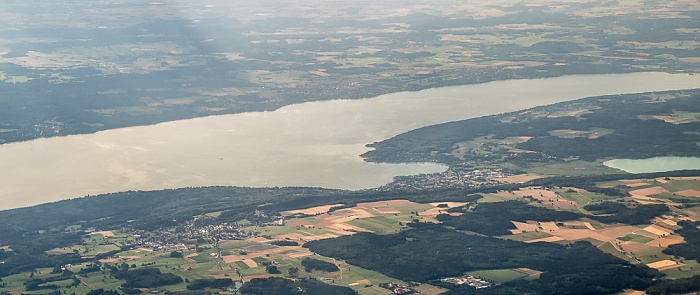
243	251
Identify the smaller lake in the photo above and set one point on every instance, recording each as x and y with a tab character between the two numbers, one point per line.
657	164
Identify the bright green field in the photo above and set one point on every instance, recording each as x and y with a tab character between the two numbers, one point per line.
636	238
499	276
378	224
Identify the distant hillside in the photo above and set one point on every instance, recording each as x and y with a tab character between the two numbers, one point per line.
589	129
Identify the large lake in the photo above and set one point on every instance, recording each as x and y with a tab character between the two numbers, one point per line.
311	144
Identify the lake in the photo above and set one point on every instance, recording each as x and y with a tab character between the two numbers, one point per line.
312	144
656	164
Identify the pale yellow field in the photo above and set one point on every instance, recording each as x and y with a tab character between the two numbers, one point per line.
388	203
580	234
657	230
521	227
387	210
520	178
314	210
663	264
649	191
347	227
105	233
633	247
449	204
688	193
549	226
360	282
666	241
551	239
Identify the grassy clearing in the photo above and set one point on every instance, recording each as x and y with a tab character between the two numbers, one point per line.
253	271
411	207
582	198
679	185
527	236
650	255
690	269
594	224
610	249
636	238
378	224
200	258
493	198
278	230
571	168
499	276
232	245
374	277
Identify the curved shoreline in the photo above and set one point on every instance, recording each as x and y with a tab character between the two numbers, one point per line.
316	144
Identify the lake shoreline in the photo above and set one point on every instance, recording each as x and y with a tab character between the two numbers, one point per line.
314	144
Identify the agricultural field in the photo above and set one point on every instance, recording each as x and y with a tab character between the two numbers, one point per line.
243	260
641	243
273	246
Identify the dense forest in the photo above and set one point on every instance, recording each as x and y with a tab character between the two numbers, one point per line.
690	249
202	284
611	212
145	278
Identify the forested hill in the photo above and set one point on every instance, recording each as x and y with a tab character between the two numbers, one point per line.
154	209
617	126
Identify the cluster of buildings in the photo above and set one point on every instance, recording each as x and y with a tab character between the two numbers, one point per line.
468	281
451	178
176	238
201	230
398	288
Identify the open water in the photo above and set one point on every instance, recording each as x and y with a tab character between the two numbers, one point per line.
312	144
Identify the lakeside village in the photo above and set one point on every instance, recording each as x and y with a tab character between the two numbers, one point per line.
451	178
204	234
201	229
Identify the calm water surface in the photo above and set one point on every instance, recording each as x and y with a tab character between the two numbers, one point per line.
311	144
657	164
